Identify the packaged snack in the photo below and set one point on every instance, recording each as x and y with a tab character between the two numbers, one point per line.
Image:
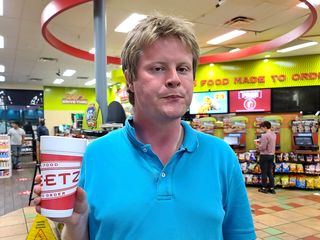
300	168
249	178
278	167
255	179
247	156
310	182
285	180
292	181
279	157
293	167
257	169
277	180
252	156
317	182
251	167
317	170
243	167
286	157
300	157
241	157
285	167
316	158
309	158
301	181
293	157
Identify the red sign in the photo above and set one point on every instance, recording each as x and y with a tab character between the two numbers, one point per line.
250	100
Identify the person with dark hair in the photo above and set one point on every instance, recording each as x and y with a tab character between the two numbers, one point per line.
17	136
157	178
267	147
42	130
28	129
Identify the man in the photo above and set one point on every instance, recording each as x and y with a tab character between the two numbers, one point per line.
17	135
42	130
157	178
267	146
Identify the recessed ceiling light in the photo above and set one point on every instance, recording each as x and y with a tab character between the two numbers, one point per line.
2	79
68	72
211	64
2	68
266	60
1	7
234	50
296	47
58	81
108	75
92	51
267	56
313	2
226	37
129	23
90	83
1	42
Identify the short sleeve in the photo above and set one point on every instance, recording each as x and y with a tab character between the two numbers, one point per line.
238	222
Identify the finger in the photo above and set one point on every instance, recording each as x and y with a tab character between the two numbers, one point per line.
36	200
38	209
81	204
38	179
37	190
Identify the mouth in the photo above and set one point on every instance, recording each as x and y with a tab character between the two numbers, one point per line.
173	97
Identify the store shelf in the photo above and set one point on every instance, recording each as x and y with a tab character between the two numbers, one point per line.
306	152
5	168
5	163
295	173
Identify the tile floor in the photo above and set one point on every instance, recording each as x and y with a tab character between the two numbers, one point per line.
289	214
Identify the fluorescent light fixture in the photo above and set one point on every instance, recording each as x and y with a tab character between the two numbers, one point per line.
267	56
92	51
1	42
226	37
234	50
313	2
1	7
58	81
91	82
266	60
68	72
129	23
2	68
296	47
2	79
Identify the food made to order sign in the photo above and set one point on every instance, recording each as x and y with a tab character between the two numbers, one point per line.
274	73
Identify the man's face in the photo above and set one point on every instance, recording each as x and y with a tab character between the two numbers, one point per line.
14	125
164	84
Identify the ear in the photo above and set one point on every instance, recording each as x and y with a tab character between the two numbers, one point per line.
129	83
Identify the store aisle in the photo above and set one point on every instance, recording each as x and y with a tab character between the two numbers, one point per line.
289	214
14	191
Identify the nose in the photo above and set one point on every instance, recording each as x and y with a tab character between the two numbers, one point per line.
173	80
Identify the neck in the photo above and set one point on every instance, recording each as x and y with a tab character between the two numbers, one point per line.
164	137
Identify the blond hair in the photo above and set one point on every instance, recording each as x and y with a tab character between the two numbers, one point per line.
146	33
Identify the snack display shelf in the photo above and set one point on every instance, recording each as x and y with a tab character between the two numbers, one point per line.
5	162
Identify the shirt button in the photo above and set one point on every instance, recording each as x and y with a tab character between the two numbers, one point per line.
145	150
163	174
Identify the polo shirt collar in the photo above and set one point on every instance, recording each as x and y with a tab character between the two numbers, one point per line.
190	141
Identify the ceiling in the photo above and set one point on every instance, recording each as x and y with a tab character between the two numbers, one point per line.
24	44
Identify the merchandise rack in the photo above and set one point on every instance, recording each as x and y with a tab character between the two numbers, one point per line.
5	157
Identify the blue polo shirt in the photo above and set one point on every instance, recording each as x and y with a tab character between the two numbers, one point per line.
199	194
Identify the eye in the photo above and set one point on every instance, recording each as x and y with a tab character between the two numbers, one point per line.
184	69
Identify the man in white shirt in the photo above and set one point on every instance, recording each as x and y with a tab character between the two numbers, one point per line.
17	135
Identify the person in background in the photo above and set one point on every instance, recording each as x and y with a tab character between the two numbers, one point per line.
17	136
29	130
267	148
42	130
157	178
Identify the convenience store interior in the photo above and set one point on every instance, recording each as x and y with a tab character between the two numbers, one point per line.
31	63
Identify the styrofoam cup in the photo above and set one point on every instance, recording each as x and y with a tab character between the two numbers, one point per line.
61	159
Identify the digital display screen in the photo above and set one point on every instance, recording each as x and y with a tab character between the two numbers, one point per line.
250	100
209	102
303	141
231	140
